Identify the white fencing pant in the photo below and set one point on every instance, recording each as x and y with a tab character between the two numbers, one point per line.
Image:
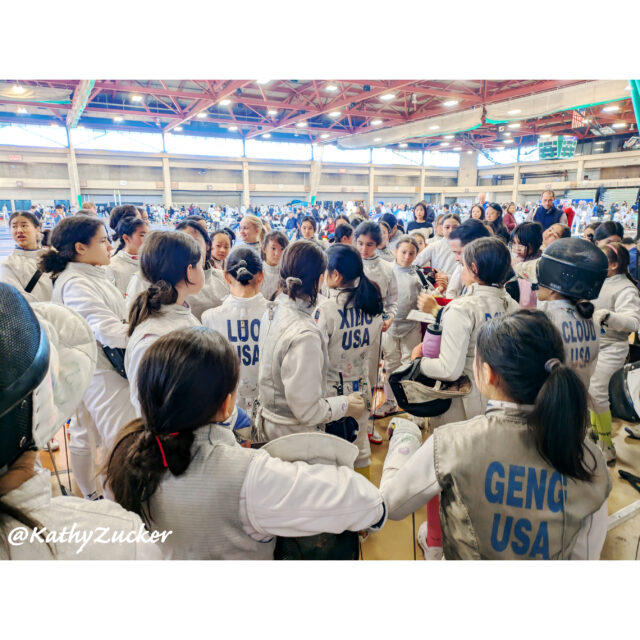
105	409
374	359
611	358
397	351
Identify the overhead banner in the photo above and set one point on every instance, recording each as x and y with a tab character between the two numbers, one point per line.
10	91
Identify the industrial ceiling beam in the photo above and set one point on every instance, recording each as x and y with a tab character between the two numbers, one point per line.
80	99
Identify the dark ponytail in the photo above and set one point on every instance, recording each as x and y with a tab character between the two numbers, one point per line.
127	227
164	260
585	308
527	352
347	262
63	240
119	212
491	258
243	265
303	262
188	363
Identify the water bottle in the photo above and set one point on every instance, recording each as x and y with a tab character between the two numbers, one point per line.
432	338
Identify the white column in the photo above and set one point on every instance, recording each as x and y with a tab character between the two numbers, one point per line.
423	174
246	192
516	184
371	186
74	179
166	179
580	174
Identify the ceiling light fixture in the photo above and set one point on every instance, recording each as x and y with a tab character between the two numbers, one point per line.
499	148
232	128
376	122
301	124
444	144
273	112
628	88
434	127
545	135
457	148
17	89
611	109
514	111
514	125
619	125
507	134
387	97
263	81
202	114
22	110
450	103
468	152
136	98
178	128
225	102
266	135
403	145
508	141
117	119
331	87
450	136
324	135
335	114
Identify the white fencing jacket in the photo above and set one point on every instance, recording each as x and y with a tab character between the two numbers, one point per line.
439	256
18	269
171	318
238	319
381	272
122	268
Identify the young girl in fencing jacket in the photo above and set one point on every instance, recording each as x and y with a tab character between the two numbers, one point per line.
350	319
251	233
238	319
76	262
403	335
124	262
221	242
172	263
617	314
519	481
292	379
486	262
526	242
183	473
20	269
368	237
275	242
438	254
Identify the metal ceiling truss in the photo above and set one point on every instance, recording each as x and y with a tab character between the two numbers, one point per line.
307	109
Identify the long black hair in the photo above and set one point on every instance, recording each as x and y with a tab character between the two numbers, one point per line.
527	352
63	240
243	265
187	363
365	294
164	259
127	226
497	225
119	212
617	252
529	234
303	262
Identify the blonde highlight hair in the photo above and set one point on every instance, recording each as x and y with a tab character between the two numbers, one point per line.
257	223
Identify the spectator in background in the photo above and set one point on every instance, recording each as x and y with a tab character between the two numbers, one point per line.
570	213
508	218
420	215
90	206
58	215
632	248
394	235
547	213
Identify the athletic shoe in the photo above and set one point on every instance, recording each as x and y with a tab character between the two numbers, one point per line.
634	432
430	553
609	452
375	437
385	409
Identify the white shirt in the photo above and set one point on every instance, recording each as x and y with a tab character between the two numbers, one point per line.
439	256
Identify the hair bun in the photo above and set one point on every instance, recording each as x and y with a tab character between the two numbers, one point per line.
293	282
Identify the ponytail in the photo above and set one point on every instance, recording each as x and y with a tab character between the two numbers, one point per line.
585	308
243	265
527	353
303	262
617	252
149	303
559	419
63	241
365	294
164	261
136	465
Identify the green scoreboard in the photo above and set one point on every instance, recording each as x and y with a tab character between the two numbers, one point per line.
557	147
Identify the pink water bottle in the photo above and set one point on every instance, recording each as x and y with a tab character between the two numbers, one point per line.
432	338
